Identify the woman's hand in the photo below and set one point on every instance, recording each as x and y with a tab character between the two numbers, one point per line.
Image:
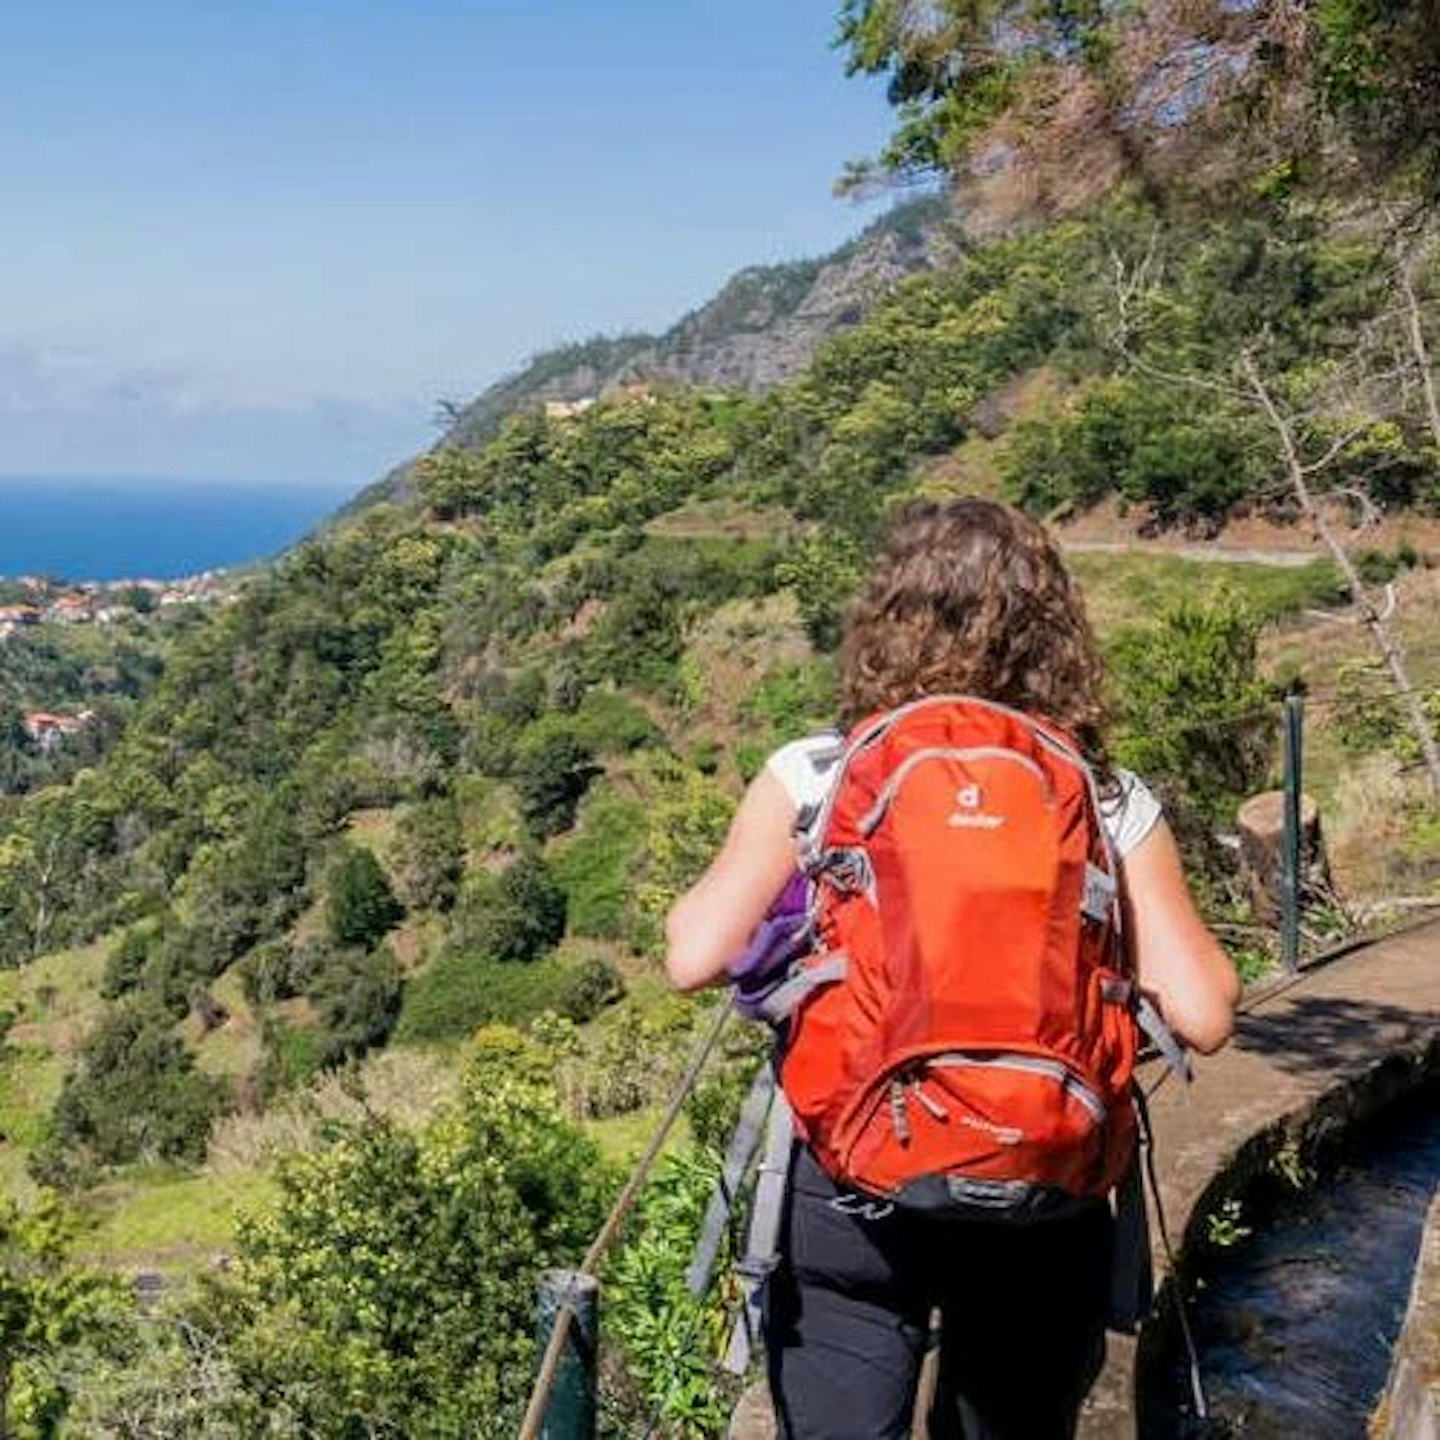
1177	960
711	922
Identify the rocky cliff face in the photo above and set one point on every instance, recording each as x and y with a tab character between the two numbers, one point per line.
759	330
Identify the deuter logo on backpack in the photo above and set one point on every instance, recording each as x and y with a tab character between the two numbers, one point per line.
968	814
963	1036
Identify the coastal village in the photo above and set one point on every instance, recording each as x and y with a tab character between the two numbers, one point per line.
30	602
43	600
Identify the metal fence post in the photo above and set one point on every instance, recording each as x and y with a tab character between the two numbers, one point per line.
570	1411
1290	884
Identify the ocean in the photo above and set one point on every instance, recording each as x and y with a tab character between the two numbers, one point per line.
98	529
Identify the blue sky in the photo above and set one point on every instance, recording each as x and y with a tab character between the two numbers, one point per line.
261	238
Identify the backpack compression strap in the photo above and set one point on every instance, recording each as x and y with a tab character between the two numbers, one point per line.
767	1214
744	1141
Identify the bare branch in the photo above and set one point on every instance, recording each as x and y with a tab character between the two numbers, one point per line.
1369	512
1371	617
1337	447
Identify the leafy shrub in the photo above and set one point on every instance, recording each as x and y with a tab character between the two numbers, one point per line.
595	865
640	1052
126	960
1378	567
514	918
552	770
792	701
391	1288
429	855
460	991
608	722
135	1093
1195	719
686	820
824	571
290	1056
60	1317
1368	717
638	638
361	905
1186	456
357	997
266	975
588	988
670	1341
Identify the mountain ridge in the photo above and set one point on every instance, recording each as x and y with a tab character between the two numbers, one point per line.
759	329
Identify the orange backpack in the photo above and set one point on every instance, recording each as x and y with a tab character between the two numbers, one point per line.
966	1033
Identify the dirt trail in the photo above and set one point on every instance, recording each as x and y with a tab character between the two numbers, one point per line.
1215	550
1250	539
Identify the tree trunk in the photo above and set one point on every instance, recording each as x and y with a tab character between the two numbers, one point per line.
1415	331
1261	823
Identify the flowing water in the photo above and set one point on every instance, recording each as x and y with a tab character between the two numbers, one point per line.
1296	1320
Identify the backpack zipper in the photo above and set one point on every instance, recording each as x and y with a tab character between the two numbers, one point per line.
876	813
1054	1070
902	1087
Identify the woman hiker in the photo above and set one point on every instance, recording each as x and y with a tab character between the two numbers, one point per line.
968	598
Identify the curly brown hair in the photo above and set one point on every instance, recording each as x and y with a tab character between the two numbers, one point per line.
971	597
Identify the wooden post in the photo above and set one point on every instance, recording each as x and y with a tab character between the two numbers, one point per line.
570	1410
1290	875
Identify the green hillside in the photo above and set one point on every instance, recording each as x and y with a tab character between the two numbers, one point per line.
442	769
532	696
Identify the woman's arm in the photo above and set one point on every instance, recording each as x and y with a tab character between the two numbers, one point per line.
711	922
1178	961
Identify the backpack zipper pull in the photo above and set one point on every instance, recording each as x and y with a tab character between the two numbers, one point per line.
899	1120
929	1101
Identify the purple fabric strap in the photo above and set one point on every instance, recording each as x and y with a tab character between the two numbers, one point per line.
779	939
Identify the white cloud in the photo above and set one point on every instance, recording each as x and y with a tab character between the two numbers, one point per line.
71	411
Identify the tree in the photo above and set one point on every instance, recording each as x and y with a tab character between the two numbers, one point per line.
429	854
357	996
514	919
1330	419
135	1092
391	1289
49	1306
1195	718
362	906
1041	106
824	571
551	773
1374	616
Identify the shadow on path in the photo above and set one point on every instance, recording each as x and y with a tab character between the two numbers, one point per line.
1315	1033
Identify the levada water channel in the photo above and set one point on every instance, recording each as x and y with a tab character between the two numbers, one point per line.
1300	1298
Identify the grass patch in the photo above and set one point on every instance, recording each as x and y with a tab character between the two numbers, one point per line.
621	1138
375	829
722	518
55	1000
232	1048
57	997
170	1220
1128	588
30	1080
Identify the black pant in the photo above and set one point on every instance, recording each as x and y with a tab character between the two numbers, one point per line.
847	1315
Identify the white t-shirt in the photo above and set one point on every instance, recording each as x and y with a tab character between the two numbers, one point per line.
1129	814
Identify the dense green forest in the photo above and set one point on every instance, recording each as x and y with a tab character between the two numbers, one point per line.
428	786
